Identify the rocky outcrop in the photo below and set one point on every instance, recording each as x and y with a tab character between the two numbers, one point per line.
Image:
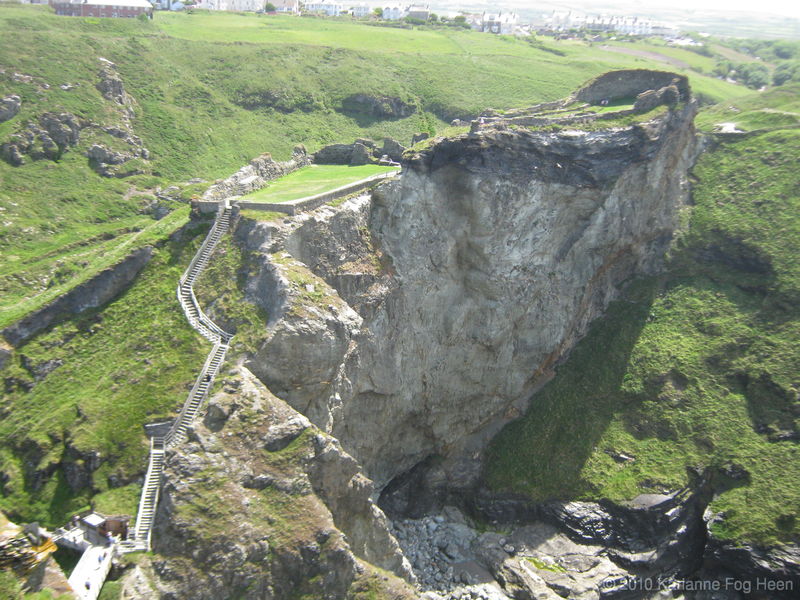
647	101
52	135
524	237
258	503
382	107
55	133
93	293
9	107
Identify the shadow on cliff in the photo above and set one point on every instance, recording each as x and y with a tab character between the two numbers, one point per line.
544	453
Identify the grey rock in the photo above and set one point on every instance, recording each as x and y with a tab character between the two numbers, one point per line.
418	137
393	149
280	435
384	107
361	155
9	107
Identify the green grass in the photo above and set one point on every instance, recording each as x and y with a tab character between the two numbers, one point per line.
123	365
213	90
774	109
695	369
312	180
220	291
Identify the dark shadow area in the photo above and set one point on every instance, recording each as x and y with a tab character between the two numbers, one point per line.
544	452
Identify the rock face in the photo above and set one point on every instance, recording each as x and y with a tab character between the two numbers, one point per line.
503	246
254	508
474	274
384	107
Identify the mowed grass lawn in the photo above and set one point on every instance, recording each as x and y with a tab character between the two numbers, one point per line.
312	180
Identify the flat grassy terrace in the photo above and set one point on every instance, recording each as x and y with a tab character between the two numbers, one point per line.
312	180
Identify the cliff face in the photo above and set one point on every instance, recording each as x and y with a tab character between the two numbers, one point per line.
261	504
491	254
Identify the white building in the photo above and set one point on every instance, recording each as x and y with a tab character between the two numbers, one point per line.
291	7
500	23
324	7
360	11
423	13
394	12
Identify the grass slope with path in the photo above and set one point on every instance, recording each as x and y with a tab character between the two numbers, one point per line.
694	369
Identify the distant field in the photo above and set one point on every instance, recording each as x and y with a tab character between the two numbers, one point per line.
312	180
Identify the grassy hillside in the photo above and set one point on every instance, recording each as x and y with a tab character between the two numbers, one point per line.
214	90
110	371
695	369
211	91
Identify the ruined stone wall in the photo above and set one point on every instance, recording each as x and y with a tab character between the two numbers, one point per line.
629	83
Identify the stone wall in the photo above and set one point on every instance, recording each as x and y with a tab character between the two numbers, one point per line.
629	83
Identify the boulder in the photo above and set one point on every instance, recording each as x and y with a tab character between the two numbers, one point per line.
9	107
418	137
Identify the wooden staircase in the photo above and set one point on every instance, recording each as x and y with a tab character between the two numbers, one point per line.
148	502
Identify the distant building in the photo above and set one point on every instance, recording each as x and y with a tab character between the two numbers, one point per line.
360	11
423	13
324	7
290	7
394	12
103	8
500	23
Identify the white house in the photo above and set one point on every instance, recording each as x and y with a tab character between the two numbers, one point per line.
394	12
360	11
290	7
423	13
245	5
500	23
325	7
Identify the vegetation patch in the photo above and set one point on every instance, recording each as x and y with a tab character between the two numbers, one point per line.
220	292
87	385
694	370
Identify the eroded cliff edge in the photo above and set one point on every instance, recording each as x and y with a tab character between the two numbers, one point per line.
473	275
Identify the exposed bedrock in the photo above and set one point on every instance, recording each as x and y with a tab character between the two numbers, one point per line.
474	274
503	247
260	504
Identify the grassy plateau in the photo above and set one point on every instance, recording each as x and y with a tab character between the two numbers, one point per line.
312	180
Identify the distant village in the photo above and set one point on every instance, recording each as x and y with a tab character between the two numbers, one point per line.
561	24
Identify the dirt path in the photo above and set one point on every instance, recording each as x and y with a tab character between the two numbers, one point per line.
675	62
